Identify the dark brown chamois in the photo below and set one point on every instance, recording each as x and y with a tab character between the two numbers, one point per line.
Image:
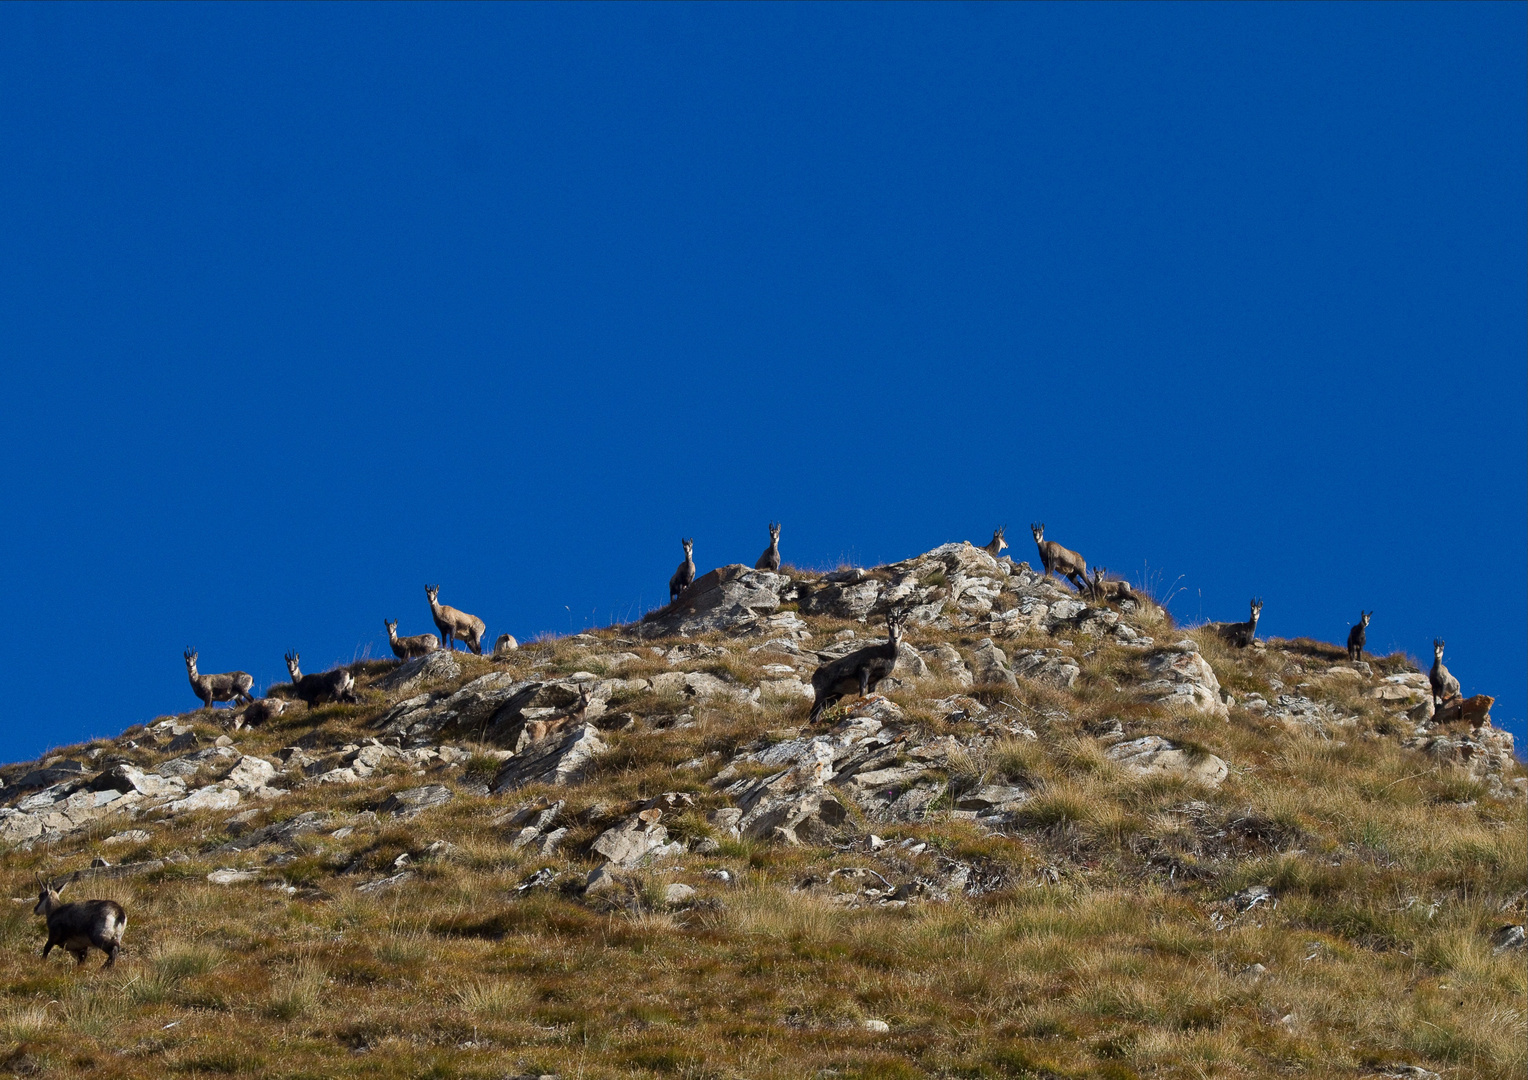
1242	634
336	685
228	686
1358	635
77	927
684	577
995	548
860	671
770	560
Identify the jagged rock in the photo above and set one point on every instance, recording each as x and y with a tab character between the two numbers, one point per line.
990	665
415	800
17	826
842	600
1181	676
58	773
211	797
383	884
1486	752
689	651
124	778
251	775
1154	754
628	843
993	797
1049	666
1509	938
557	760
732	598
948	663
280	832
439	666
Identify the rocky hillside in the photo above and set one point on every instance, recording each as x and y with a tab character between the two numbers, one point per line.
1066	838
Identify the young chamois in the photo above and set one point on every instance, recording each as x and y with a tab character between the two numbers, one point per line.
1242	634
995	548
229	686
684	577
455	624
1445	687
406	648
1358	635
770	560
77	927
1105	589
1063	562
336	685
860	671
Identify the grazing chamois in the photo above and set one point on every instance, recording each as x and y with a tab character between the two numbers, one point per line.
406	648
336	685
1242	634
78	926
229	686
684	577
860	671
455	624
1106	589
505	644
1063	562
1445	687
1358	635
770	560
995	548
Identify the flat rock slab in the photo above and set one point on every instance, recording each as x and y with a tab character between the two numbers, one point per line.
1154	754
556	760
415	800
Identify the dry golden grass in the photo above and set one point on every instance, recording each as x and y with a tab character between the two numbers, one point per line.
1105	948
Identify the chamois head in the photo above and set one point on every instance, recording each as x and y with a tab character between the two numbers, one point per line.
774	532
190	659
292	669
894	619
392	627
998	543
1364	617
1438	648
1038	530
432	591
1257	608
47	896
689	546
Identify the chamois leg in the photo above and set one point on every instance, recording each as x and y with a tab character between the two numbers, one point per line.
864	676
46	949
79	956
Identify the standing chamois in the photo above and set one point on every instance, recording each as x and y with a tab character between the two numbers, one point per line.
684	577
770	560
229	686
1445	687
455	624
1357	635
336	685
860	671
1063	562
1242	634
78	926
995	548
406	648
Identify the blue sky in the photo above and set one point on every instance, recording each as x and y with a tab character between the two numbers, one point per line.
303	307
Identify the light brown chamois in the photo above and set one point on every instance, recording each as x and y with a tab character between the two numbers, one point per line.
455	624
770	560
1358	635
77	927
684	577
1242	634
336	685
1063	562
1106	589
1445	688
995	548
860	671
228	686
406	648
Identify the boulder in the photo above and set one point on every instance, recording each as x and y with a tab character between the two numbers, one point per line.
948	663
439	666
732	598
1155	755
1049	666
251	775
1180	676
413	801
628	843
17	826
211	797
557	760
124	778
990	665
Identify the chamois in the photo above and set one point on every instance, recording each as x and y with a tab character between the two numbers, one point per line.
1106	589
1063	562
770	560
229	686
455	624
860	671
406	648
78	926
1242	634
684	577
998	543
1445	687
1357	635
336	685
